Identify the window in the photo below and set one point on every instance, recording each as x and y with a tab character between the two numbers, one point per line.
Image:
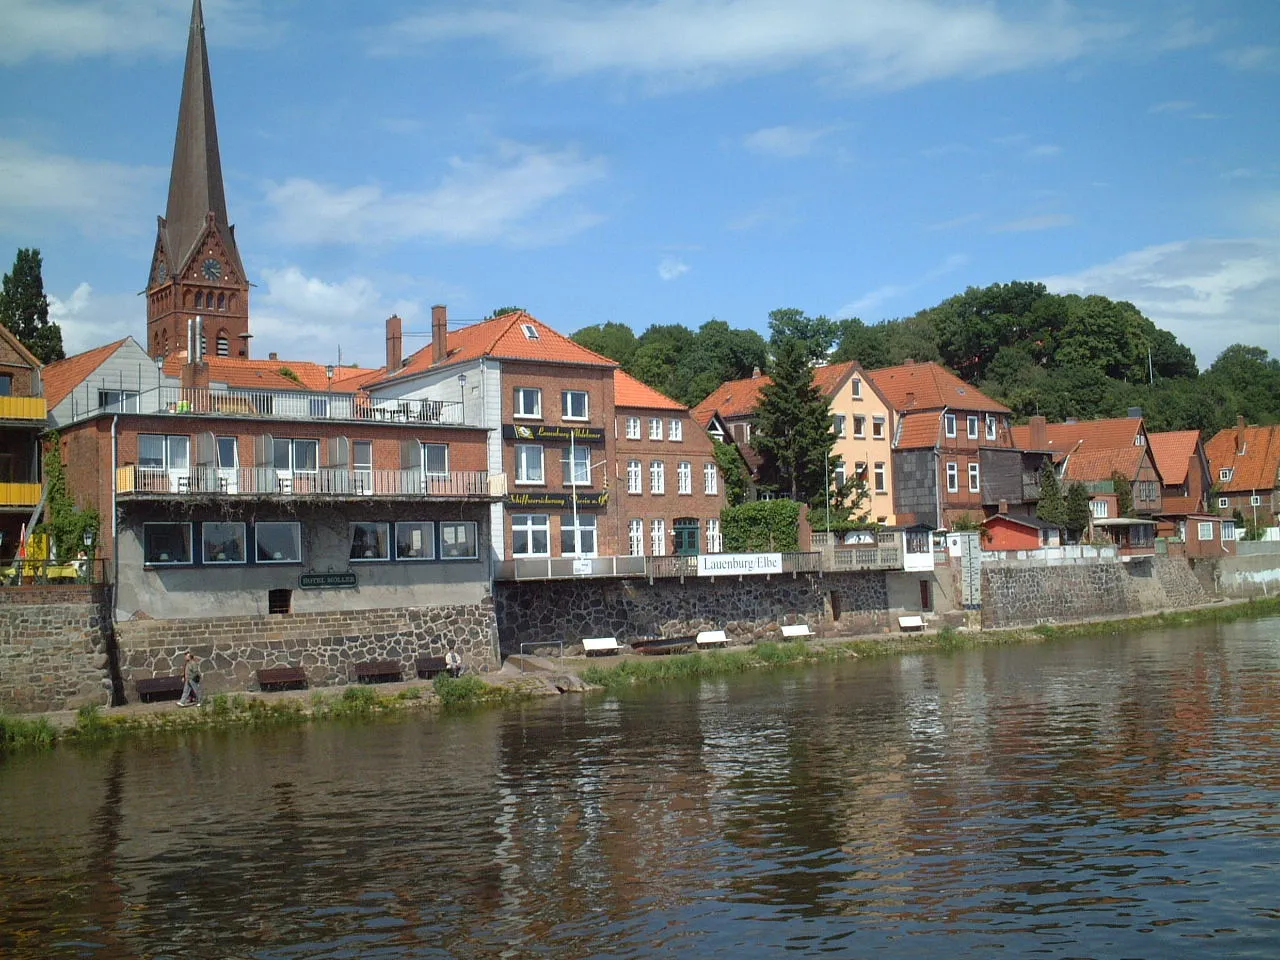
714	541
529	330
459	540
657	477
710	479
362	464
635	480
228	454
528	402
1228	530
369	541
1255	501
859	427
415	540
1225	474
575	466
856	383
1140	440
949	423
163	453
877	428
878	473
530	535
860	470
658	538
529	463
633	428
635	538
435	459
953	477
279	601
222	542
684	477
297	456
1223	503
117	401
573	404
1204	530
166	543
1099	508
972	423
277	542
223	346
1148	490
839	425
991	426
838	475
974	485
580	540
655	428
675	430
742	432
6	386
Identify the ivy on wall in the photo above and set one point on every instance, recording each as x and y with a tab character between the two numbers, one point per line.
65	524
761	526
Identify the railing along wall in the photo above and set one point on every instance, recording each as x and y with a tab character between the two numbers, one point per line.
325	481
671	567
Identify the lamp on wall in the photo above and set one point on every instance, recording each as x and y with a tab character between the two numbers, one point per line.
462	395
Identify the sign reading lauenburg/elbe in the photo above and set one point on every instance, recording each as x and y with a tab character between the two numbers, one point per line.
540	431
737	564
322	581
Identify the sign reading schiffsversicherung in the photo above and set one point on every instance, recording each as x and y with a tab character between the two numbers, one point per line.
738	564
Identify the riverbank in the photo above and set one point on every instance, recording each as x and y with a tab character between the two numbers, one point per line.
513	684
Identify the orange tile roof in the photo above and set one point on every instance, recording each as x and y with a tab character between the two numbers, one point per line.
917	430
929	386
504	339
265	374
630	392
739	398
1088	465
63	376
1172	451
1095	434
1257	468
1178	506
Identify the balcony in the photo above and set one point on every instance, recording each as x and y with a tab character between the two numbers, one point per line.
285	405
23	408
19	494
135	482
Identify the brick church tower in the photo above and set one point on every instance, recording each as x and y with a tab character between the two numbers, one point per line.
196	268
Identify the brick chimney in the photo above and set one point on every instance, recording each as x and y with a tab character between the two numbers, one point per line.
1039	433
1004	507
395	342
439	333
755	373
1239	434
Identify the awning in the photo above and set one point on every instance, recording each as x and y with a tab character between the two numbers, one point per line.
1124	522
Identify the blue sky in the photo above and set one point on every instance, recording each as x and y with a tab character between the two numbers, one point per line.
657	161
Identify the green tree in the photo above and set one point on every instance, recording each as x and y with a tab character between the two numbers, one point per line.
733	471
1052	507
857	341
813	335
612	340
1124	493
24	308
1078	511
503	311
65	524
793	425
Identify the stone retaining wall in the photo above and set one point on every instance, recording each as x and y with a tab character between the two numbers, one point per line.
751	609
54	644
326	645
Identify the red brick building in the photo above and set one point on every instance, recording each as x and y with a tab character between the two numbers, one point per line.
1244	463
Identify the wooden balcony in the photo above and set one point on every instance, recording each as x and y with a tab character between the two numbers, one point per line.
136	482
19	494
23	408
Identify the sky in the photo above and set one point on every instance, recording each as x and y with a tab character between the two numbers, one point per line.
656	161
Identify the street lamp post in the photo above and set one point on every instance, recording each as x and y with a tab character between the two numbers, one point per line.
328	373
88	556
462	396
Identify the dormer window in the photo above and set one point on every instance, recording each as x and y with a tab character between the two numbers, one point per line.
1140	440
529	330
1225	474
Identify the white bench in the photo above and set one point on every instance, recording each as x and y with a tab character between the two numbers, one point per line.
711	638
911	622
592	645
796	630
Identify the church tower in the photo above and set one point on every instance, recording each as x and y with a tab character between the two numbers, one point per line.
196	268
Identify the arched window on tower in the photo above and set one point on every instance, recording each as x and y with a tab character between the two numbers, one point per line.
222	301
224	344
186	299
164	344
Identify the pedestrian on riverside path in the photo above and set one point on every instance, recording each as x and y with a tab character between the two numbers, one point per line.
191	682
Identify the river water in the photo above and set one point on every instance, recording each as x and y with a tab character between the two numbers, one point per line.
1106	797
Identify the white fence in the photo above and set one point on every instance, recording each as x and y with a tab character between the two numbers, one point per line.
1055	556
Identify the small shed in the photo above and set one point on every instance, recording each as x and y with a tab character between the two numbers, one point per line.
1007	531
1205	535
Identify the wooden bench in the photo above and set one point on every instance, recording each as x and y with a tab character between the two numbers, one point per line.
378	671
911	622
592	645
282	678
159	688
711	638
428	667
795	631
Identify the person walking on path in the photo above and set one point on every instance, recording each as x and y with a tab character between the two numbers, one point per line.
191	682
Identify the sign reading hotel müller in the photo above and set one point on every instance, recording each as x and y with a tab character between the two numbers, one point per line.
539	431
326	581
737	564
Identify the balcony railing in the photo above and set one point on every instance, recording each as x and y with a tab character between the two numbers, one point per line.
19	494
156	482
283	405
22	408
661	568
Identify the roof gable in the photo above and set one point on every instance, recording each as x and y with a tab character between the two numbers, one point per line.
929	386
1257	467
1172	451
63	376
24	355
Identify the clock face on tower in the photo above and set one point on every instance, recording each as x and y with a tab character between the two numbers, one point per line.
212	269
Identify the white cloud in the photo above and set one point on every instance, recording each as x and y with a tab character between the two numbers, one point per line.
1047	221
1172	106
785	141
1042	151
1253	58
955	222
92	194
1208	293
669	268
67	29
516	197
892	291
875	43
89	320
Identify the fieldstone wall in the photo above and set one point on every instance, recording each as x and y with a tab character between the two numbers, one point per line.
749	610
54	648
326	645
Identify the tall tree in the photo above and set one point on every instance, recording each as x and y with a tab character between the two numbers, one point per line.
24	308
1124	493
793	425
613	340
1077	510
813	335
1052	507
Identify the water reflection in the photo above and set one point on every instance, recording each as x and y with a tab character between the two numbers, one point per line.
1111	797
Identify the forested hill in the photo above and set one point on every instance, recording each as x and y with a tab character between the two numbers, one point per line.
1038	352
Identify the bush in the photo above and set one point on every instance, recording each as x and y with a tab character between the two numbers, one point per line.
453	691
17	733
